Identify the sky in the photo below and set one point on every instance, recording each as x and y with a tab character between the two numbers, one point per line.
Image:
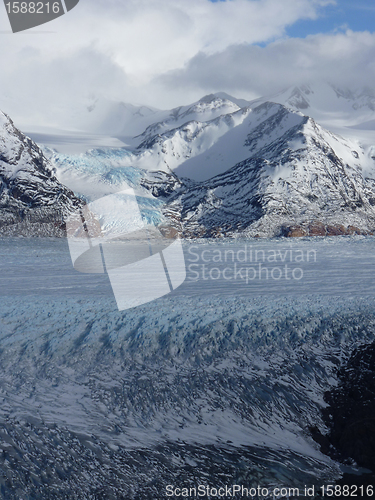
165	53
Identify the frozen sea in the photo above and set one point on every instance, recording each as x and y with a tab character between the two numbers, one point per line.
216	383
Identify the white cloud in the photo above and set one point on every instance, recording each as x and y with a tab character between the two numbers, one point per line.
146	37
165	52
346	59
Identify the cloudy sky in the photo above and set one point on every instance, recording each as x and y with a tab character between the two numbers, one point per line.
166	53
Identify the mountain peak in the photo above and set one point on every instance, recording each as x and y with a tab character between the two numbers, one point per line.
207	99
299	98
241	103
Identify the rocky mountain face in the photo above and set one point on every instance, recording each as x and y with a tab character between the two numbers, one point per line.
350	410
298	179
32	200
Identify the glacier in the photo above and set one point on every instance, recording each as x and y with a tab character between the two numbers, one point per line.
217	383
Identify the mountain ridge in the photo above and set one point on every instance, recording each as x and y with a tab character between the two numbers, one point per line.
32	201
217	169
304	177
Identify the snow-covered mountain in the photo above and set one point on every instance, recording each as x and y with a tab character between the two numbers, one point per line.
347	112
260	170
98	122
226	166
288	171
103	116
206	109
201	150
209	137
32	200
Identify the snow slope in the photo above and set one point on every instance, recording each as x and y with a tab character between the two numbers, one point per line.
201	149
328	104
347	112
105	122
208	108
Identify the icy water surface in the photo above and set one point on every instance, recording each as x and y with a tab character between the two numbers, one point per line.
214	384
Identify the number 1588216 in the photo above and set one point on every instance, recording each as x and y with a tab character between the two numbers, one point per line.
33	7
